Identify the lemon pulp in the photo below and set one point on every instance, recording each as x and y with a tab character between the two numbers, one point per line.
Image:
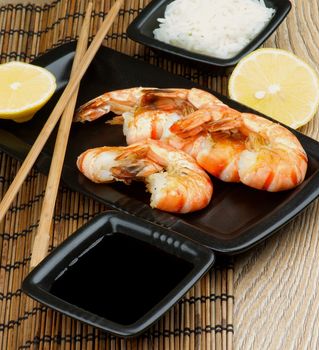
277	83
24	89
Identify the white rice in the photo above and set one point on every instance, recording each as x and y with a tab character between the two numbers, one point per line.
218	28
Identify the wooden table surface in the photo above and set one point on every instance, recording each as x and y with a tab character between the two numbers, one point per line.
276	284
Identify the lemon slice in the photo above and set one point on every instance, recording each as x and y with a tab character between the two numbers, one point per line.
24	89
277	83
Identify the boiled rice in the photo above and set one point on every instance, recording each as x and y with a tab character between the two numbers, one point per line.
218	28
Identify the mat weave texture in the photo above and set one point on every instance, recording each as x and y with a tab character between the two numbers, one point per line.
201	320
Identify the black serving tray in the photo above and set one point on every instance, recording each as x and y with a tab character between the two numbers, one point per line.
118	273
237	218
142	27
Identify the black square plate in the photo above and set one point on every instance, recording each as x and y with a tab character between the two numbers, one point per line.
141	30
237	218
118	273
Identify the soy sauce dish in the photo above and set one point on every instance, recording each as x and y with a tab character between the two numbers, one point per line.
145	28
118	273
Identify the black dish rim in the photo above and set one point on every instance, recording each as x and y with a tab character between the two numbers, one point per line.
135	32
37	284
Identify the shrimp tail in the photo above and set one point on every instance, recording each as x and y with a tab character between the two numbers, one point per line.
133	152
135	163
117	101
117	120
224	124
191	125
139	170
93	109
217	118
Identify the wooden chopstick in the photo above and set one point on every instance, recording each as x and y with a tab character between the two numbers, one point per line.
42	238
58	110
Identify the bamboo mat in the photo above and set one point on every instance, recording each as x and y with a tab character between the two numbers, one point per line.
201	320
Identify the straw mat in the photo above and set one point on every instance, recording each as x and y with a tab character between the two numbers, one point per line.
201	320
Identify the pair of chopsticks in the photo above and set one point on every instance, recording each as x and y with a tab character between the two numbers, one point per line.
65	105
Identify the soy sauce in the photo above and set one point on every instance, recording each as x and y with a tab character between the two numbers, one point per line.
120	278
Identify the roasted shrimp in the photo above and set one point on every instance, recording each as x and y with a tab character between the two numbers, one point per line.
176	182
243	147
146	112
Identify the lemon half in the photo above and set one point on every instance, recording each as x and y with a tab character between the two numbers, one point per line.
277	83
24	89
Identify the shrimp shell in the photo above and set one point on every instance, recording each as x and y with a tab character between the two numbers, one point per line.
243	147
140	100
176	182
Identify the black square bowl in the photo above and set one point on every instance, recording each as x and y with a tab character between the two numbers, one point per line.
141	30
118	273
